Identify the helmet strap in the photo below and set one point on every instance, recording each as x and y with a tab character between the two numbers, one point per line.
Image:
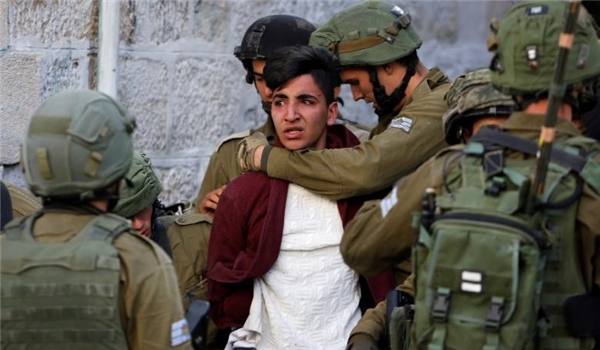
386	104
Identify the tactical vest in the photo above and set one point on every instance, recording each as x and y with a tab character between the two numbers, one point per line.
489	276
62	295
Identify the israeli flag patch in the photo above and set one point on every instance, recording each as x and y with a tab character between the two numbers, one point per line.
402	123
180	333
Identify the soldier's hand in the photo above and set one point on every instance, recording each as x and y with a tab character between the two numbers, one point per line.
362	341
250	151
209	204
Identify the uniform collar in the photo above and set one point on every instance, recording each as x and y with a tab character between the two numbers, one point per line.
529	126
432	79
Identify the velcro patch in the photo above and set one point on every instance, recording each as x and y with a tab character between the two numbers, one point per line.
536	10
180	333
402	123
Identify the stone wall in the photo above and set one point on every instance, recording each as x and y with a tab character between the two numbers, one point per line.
176	69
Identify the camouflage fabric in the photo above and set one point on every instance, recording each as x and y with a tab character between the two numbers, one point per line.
368	34
526	49
144	187
472	96
77	142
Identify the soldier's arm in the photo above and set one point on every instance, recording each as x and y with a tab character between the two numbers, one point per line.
368	167
381	235
153	316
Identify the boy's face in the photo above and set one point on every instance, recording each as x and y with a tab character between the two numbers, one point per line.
301	114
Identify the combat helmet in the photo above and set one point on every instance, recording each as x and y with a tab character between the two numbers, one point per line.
471	97
78	142
526	48
368	34
142	190
371	34
269	33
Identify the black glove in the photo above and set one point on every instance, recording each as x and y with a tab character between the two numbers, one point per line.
362	341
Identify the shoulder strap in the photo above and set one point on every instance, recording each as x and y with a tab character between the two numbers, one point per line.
585	166
106	227
20	230
237	136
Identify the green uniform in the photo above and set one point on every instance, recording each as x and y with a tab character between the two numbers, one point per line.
390	236
413	136
223	166
150	311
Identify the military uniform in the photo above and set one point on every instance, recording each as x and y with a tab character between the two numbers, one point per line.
223	166
413	136
146	278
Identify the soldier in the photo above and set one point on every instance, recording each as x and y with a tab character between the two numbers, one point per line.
139	202
376	46
488	189
72	274
472	101
185	240
261	38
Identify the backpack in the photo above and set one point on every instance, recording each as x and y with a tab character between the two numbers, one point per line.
489	276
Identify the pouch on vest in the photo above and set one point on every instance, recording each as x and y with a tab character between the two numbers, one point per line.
487	275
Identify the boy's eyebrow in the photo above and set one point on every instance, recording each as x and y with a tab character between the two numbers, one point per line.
280	95
305	96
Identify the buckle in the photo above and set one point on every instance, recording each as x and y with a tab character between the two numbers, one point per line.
441	305
494	316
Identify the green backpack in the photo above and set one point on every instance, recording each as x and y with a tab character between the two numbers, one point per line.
488	276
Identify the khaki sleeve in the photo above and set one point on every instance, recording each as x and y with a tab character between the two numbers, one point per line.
222	168
373	322
189	236
408	286
153	316
372	165
381	234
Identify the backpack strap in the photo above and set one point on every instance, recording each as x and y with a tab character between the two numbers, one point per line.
585	166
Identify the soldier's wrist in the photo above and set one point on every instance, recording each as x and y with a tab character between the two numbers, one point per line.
264	157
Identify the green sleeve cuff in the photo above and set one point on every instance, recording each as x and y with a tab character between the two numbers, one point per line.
264	159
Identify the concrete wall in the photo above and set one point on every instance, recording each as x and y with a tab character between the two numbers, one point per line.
177	73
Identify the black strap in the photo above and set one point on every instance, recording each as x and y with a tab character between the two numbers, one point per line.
488	137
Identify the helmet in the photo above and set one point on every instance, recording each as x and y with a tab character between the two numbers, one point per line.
368	34
470	97
268	34
526	48
77	142
144	187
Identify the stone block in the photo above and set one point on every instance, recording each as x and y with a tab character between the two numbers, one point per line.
144	91
211	20
64	70
20	95
169	20
179	182
54	23
205	100
3	24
